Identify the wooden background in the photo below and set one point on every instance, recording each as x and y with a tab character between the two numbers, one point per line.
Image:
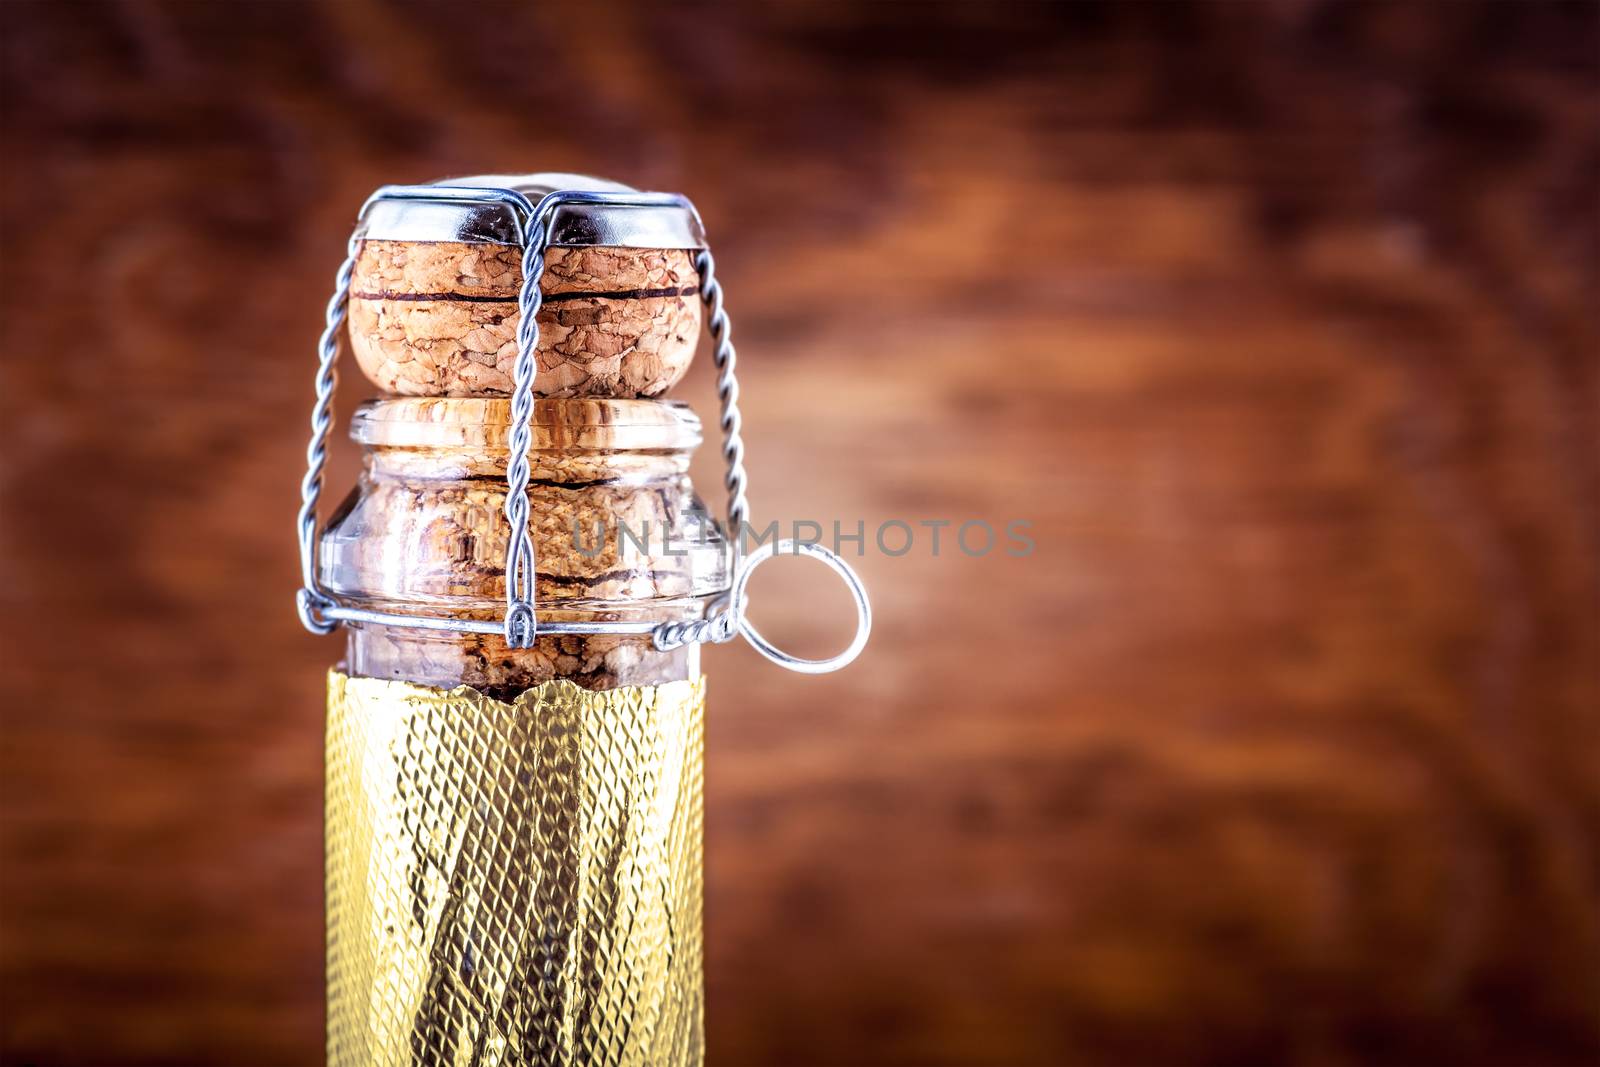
1277	321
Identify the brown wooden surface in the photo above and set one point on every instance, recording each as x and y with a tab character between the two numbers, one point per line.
1277	321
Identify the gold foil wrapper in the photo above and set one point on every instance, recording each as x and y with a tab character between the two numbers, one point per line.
514	883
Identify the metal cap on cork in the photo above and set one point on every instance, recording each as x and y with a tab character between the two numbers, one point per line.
574	225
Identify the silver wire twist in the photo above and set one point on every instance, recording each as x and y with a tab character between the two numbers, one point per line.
522	625
309	603
724	624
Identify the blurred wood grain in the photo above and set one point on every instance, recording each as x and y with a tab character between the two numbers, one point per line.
1277	322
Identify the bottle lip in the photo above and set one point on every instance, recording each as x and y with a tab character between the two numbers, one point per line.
581	423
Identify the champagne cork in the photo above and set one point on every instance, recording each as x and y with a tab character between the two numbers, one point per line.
433	321
434	296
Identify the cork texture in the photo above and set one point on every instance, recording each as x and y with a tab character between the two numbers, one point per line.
440	319
489	665
617	533
452	535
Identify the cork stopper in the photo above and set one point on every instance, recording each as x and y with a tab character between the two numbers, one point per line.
433	301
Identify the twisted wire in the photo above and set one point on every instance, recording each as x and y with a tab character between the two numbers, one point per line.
722	625
308	601
521	625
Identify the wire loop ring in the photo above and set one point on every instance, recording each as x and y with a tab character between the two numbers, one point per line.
830	559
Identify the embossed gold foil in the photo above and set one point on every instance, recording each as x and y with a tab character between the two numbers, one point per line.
514	883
